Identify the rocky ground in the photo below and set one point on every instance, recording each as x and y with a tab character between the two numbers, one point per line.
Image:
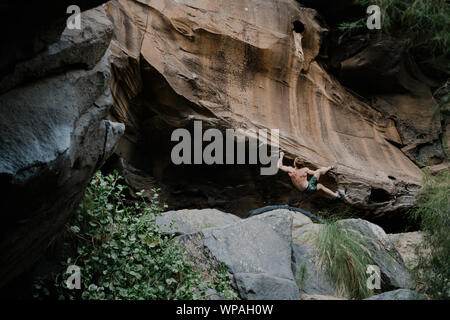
266	253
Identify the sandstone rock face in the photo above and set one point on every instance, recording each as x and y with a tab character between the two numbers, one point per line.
241	65
385	73
53	136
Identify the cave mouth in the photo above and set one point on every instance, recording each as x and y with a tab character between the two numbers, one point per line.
233	187
299	27
379	196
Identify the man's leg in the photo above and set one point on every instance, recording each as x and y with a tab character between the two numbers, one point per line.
327	191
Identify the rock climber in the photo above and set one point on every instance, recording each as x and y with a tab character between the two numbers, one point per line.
299	177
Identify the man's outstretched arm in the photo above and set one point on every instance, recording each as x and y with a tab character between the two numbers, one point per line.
283	167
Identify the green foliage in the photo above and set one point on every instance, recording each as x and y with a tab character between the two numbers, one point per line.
222	285
343	254
302	275
423	24
123	255
351	28
432	273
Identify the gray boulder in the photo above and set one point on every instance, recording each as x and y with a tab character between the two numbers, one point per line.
298	219
310	276
75	49
257	251
260	286
399	294
190	221
394	274
53	136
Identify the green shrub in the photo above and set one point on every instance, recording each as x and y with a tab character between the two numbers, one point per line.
432	273
123	255
423	24
343	254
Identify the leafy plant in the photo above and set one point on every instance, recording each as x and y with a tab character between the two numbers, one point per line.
423	24
122	253
432	273
343	254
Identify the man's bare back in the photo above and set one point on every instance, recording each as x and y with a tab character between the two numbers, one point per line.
299	178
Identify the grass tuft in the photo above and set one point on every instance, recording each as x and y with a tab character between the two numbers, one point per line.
432	273
343	254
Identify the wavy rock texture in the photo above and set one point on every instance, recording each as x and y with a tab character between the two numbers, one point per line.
241	64
53	136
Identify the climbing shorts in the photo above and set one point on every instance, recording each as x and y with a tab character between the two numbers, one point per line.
312	185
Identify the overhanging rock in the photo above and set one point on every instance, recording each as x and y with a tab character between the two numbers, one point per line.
237	65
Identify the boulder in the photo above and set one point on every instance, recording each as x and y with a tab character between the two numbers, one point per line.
28	28
190	221
54	134
260	286
299	220
257	251
309	276
394	274
399	294
406	244
312	278
74	49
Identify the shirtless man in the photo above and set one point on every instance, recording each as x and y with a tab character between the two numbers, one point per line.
299	177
